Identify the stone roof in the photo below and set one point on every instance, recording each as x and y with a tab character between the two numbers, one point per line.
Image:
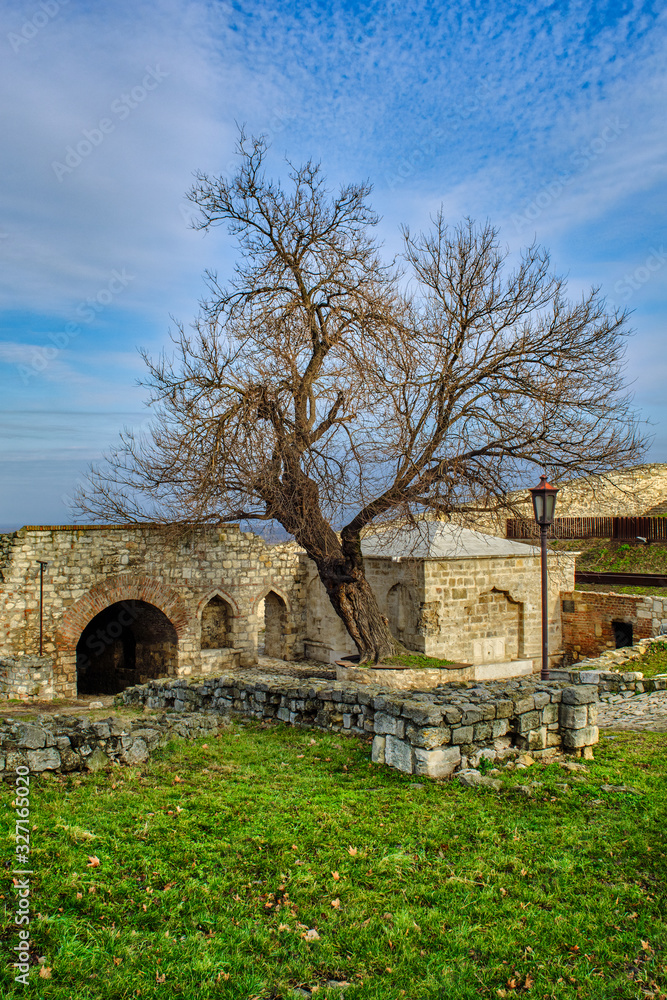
438	540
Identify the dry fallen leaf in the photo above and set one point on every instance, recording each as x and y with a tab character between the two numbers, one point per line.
160	979
79	895
311	935
283	927
178	781
45	972
117	961
336	876
335	904
93	862
352	851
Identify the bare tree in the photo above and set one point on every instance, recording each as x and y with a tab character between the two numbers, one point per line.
323	389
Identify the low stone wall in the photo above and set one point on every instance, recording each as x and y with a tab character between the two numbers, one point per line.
26	678
609	681
432	733
69	743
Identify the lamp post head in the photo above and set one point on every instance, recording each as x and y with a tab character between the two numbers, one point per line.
544	502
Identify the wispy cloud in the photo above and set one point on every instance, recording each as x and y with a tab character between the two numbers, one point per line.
500	111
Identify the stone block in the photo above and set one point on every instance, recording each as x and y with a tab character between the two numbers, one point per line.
98	760
427	737
573	739
423	713
527	721
31	737
592	715
573	716
537	738
590	677
43	760
398	754
482	731
499	727
504	709
436	763
463	734
388	725
541	698
137	752
549	714
524	705
471	778
584	694
452	715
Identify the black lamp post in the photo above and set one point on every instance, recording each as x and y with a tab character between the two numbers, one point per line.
544	505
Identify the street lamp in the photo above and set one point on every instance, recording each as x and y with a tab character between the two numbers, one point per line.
544	505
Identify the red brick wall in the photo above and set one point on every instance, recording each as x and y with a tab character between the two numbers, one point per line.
588	631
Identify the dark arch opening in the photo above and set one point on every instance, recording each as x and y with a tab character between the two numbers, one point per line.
622	633
128	643
275	626
215	624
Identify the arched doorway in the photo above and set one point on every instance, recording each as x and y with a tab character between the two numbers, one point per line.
275	626
128	643
402	614
215	624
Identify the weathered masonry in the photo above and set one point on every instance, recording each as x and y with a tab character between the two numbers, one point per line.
117	606
595	622
94	610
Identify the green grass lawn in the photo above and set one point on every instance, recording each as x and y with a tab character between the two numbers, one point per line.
417	662
652	662
604	555
273	858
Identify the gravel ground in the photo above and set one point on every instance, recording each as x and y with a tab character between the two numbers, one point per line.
640	712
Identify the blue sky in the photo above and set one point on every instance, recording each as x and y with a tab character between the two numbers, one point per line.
548	119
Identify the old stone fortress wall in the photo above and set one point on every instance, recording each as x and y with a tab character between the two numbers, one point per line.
122	605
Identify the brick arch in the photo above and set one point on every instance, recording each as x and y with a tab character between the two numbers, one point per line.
218	592
128	587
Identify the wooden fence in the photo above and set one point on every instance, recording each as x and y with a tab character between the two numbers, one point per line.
653	529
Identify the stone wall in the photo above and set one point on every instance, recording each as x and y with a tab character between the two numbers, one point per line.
432	733
28	678
66	743
93	569
588	621
634	492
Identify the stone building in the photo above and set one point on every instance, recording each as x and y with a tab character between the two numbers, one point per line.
119	605
452	593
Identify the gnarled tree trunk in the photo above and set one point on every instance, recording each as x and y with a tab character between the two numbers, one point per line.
340	566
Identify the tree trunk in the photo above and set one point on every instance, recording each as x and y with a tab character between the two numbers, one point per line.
340	566
355	604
